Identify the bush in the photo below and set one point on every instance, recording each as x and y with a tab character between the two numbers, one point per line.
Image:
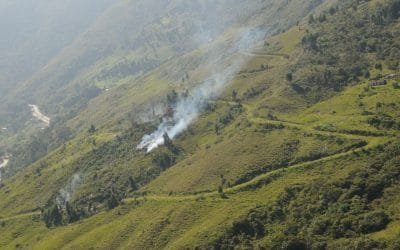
294	244
113	201
289	76
52	216
309	41
164	159
253	228
359	244
373	221
325	210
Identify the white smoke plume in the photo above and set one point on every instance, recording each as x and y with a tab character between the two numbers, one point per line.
68	191
3	163
188	109
149	113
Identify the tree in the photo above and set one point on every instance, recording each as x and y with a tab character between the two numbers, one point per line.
113	201
311	19
332	10
322	18
132	183
234	94
167	141
164	159
393	9
373	221
294	244
289	76
378	66
220	189
216	128
172	98
310	41
263	67
92	129
72	214
52	216
221	192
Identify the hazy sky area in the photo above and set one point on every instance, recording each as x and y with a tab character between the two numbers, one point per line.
33	31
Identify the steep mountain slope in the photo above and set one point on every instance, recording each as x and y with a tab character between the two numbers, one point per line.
73	77
115	51
35	31
168	74
300	151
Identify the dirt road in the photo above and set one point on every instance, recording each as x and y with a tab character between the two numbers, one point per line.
39	115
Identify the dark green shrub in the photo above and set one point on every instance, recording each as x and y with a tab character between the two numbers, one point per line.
373	221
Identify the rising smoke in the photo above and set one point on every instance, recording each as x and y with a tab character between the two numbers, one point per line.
68	191
188	108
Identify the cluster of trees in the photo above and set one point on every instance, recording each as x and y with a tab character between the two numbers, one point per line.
384	121
128	68
166	157
172	98
113	199
270	126
387	13
311	215
337	47
309	41
62	212
227	117
323	16
109	184
57	215
253	92
36	146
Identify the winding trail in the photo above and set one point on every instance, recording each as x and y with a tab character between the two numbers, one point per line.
39	115
255	182
372	142
20	216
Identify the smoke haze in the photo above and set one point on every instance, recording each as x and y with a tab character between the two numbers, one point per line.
68	191
188	108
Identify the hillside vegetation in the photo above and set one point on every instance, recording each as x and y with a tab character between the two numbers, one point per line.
299	151
102	58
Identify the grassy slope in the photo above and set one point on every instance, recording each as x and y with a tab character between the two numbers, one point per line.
260	154
182	221
104	56
177	222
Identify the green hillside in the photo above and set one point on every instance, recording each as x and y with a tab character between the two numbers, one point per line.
299	149
102	56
